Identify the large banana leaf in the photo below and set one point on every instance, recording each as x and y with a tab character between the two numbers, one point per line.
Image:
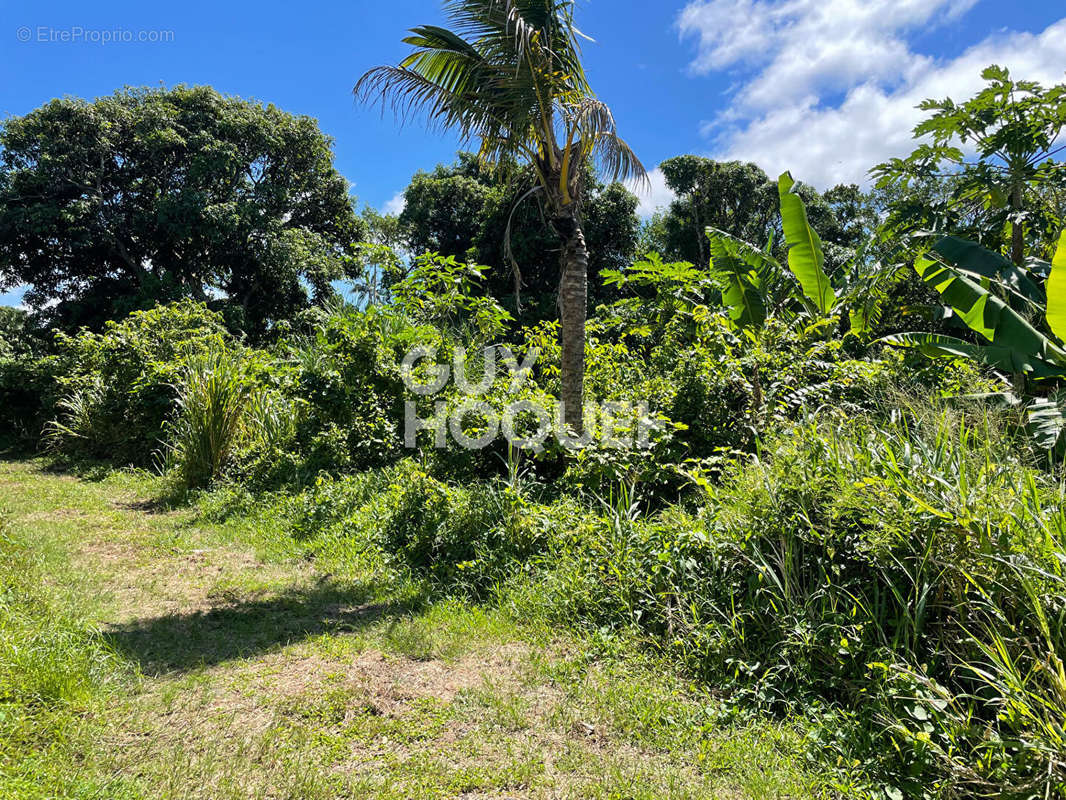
990	317
1056	291
935	345
805	256
981	264
740	284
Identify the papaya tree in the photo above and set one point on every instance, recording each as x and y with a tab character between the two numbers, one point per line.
509	76
994	157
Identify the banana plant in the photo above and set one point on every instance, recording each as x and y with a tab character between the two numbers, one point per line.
1003	304
806	259
754	284
997	300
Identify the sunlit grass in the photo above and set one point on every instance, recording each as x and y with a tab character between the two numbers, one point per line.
204	660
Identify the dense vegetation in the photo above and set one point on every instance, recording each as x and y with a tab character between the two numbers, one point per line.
153	195
853	508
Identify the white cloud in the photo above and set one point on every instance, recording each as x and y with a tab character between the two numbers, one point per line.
807	46
653	196
396	205
798	54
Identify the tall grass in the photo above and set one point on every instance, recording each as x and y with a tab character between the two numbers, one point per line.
904	576
222	410
211	420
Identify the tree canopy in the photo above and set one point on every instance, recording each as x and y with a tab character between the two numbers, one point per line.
463	210
156	194
740	199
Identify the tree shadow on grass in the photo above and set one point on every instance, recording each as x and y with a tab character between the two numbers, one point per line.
185	642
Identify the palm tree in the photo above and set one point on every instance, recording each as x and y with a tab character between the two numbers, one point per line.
510	77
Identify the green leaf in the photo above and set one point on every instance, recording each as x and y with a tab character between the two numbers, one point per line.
1046	423
805	256
973	260
990	317
738	282
935	345
1056	291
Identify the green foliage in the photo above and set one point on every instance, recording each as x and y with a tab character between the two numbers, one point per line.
211	418
1056	291
152	195
804	535
118	387
1013	126
347	377
1014	345
29	394
470	210
440	291
905	569
754	282
742	286
510	77
740	200
998	301
805	257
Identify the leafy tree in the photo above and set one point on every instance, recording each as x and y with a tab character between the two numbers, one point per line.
151	195
1011	182
468	210
13	338
741	200
510	77
732	196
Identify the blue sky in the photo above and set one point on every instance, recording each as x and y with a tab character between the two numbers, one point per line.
824	87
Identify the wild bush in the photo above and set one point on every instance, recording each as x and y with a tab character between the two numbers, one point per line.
905	576
348	376
29	397
119	387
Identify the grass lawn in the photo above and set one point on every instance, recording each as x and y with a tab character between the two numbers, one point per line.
147	654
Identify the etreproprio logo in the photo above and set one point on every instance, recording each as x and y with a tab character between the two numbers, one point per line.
526	424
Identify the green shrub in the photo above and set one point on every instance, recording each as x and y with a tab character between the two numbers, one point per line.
348	377
29	397
866	565
901	578
212	416
119	386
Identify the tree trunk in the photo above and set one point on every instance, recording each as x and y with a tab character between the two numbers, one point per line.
1017	230
573	299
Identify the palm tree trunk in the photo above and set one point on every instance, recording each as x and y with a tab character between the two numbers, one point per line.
573	299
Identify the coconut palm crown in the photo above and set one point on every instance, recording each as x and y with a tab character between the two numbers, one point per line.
509	77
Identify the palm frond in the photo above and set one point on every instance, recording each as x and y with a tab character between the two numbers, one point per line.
508	74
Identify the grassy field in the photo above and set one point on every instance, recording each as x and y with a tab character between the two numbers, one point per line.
146	653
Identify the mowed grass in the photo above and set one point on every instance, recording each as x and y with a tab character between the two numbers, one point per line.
145	654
